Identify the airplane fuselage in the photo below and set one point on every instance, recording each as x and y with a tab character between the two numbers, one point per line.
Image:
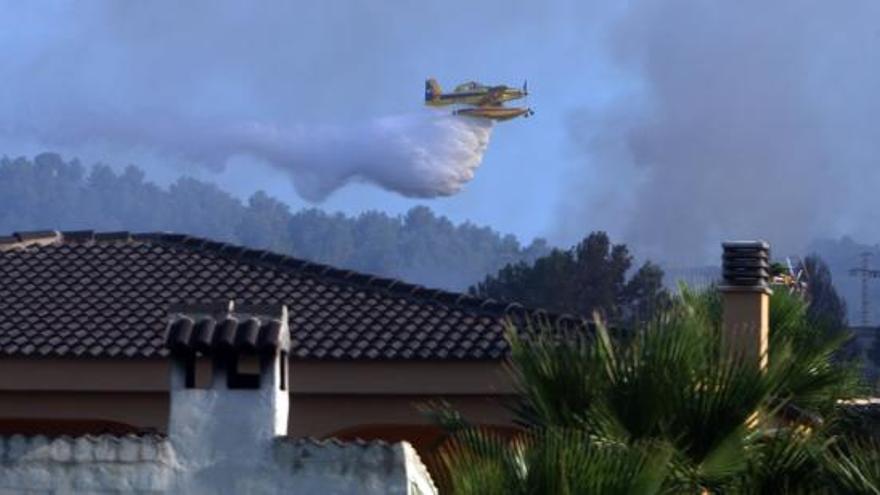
475	97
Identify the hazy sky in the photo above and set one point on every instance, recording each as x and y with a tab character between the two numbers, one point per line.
672	124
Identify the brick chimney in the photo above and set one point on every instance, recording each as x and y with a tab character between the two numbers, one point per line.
745	293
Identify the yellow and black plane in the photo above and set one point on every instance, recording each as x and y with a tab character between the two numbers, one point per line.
482	101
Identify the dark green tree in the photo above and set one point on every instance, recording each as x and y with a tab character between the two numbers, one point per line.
824	302
201	209
265	223
587	278
873	352
644	294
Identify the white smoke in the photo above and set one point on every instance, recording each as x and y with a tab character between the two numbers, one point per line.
418	155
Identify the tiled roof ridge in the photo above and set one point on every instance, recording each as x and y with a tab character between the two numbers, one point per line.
277	261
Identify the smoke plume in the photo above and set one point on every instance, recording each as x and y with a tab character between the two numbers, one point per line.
748	119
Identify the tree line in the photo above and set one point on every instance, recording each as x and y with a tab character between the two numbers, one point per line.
49	192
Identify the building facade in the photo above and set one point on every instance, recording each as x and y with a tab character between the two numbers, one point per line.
83	318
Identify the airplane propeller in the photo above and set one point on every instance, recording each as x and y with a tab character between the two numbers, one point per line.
525	91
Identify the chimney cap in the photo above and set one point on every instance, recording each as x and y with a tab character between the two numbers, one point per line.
746	245
745	264
209	333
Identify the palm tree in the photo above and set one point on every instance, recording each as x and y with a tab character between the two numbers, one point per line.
665	410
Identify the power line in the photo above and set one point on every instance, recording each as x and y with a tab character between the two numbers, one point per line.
865	272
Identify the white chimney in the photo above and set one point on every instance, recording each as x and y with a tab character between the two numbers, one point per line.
229	396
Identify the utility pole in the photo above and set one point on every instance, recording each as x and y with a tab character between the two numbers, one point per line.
865	272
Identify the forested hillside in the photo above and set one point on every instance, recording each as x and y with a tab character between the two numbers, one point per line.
421	247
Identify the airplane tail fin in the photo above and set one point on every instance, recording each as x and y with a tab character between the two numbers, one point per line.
432	90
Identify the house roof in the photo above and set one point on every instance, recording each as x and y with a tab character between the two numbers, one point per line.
108	295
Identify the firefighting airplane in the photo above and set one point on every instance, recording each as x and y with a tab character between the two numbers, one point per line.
486	102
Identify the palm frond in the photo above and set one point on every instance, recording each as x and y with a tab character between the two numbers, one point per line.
551	460
855	465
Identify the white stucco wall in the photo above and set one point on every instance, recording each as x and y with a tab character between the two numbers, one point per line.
343	468
149	465
90	464
417	475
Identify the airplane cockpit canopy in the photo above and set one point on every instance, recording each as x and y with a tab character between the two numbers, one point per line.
468	86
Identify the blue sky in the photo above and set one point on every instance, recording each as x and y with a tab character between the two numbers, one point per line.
672	124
